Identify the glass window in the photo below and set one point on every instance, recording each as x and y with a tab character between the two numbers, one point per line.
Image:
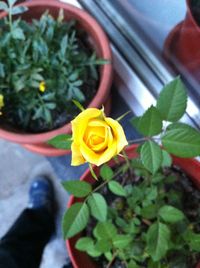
157	40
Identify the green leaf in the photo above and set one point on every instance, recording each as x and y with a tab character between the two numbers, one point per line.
63	45
73	76
184	141
177	125
75	220
3	6
78	94
50	105
150	123
158	236
172	101
78	105
62	141
158	177
93	252
166	159
122	241
151	156
98	206
105	230
77	188
84	243
149	212
132	264
135	121
17	33
11	2
137	163
103	245
151	193
108	256
193	240
18	10
171	214
106	172
116	188
2	71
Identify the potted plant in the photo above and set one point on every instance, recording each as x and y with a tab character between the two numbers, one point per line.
51	53
182	43
141	209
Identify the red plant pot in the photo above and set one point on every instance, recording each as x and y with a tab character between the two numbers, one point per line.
37	142
80	259
182	44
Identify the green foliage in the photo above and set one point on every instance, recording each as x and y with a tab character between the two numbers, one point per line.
62	141
84	243
105	230
116	188
150	123
151	156
158	236
106	172
171	214
77	188
75	219
182	141
44	65
140	217
172	101
98	206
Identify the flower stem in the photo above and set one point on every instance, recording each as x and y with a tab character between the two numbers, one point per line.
10	18
127	160
112	260
105	182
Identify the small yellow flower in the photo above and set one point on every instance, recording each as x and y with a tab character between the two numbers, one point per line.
96	138
1	101
42	86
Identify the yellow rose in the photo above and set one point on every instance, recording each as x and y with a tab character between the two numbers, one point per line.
96	138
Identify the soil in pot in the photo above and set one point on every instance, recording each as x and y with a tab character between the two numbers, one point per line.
22	108
195	8
135	212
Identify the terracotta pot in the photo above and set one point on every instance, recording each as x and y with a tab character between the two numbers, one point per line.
100	43
182	44
190	166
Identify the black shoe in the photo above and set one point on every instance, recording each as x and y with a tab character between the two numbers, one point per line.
41	194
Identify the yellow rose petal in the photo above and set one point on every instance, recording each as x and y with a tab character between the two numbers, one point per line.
89	155
77	158
108	154
79	124
118	133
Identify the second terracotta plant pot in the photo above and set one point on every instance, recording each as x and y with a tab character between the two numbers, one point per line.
182	44
99	41
80	259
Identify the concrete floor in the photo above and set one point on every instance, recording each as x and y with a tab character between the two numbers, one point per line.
18	167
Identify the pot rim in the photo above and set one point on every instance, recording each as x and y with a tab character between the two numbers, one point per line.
105	79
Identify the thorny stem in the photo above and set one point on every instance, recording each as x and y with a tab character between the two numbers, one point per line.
111	261
10	17
105	182
143	139
127	160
